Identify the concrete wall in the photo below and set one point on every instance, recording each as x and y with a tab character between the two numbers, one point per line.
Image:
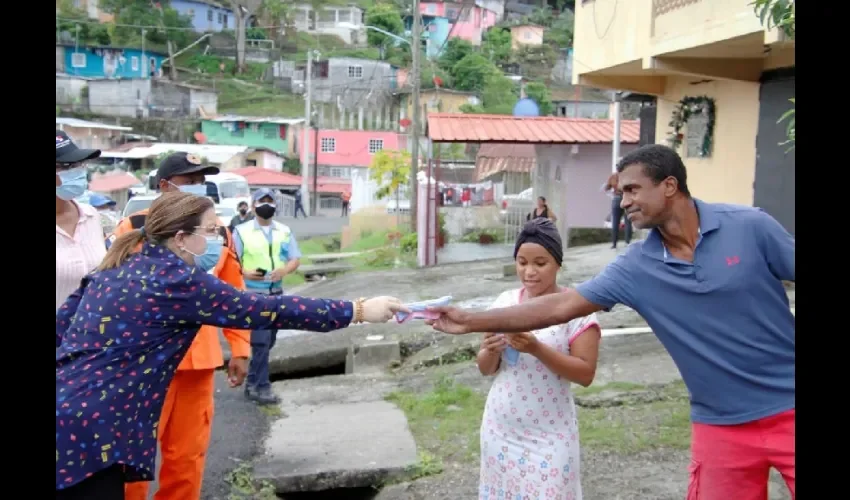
120	97
728	175
370	85
69	92
570	178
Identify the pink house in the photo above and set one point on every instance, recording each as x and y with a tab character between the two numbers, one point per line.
467	21
340	151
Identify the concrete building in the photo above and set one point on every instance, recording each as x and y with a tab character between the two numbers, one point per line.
327	21
712	62
143	98
526	34
269	132
91	135
206	15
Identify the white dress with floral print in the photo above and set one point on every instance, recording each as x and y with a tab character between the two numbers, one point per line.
529	433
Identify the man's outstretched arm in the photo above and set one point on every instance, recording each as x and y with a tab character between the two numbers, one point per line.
614	285
540	312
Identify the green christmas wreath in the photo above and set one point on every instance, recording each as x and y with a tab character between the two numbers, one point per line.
686	108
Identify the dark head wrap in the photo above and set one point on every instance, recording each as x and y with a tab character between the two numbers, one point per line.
544	233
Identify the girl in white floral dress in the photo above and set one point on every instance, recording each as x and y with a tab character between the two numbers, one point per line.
529	433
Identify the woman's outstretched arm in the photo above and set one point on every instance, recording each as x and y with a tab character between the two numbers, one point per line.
206	300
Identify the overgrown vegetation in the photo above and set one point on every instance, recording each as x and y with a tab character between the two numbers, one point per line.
243	485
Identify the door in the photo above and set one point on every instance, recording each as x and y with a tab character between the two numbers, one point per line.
648	114
774	186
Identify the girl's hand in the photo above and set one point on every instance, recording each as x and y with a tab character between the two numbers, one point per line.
523	342
494	343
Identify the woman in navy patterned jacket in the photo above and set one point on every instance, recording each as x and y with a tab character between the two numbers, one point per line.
121	335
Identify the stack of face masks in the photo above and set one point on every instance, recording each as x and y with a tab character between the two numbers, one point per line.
418	309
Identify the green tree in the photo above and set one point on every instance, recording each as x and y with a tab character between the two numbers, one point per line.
539	92
243	10
71	19
391	170
128	13
471	72
455	50
496	45
498	96
386	17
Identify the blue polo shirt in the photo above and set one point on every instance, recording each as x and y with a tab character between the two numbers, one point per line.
724	318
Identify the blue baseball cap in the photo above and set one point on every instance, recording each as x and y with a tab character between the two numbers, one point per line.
262	193
99	200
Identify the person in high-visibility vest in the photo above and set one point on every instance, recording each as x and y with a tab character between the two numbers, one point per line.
267	251
185	423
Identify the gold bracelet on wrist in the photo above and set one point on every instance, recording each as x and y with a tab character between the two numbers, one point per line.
358	310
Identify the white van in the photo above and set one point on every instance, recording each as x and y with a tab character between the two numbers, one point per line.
225	189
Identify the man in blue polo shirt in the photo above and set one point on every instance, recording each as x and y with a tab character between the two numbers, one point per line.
267	251
708	281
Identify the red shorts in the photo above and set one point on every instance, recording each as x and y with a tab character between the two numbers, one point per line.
733	461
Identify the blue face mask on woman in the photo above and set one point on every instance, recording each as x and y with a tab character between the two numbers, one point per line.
209	258
195	189
74	183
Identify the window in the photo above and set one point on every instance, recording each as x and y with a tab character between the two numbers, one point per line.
355	71
328	145
251	163
272	132
190	12
339	172
451	14
78	60
134	63
527	35
209	15
220	18
224	23
375	145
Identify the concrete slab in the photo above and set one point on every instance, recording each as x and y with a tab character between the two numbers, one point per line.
373	354
352	445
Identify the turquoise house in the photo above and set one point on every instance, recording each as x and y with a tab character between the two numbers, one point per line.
435	32
92	61
256	132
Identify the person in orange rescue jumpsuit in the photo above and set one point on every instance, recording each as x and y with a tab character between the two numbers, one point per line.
186	420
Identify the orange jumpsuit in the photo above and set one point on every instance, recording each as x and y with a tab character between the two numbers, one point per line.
187	413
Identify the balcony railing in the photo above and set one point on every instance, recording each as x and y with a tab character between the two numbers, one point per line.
661	7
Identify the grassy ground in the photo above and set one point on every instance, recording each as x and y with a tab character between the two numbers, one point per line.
446	420
377	252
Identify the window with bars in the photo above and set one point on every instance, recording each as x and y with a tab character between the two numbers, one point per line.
78	60
355	71
328	145
375	145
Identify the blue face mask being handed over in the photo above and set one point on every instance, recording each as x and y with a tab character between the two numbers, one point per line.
209	258
74	183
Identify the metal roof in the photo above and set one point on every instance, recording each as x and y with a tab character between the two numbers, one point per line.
459	127
74	122
215	154
257	119
493	158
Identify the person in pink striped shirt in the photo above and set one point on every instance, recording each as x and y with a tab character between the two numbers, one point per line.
79	236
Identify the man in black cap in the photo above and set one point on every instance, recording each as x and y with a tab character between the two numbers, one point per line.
189	400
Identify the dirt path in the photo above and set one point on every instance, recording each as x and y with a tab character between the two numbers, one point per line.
634	423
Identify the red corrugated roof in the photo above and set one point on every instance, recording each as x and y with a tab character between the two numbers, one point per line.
258	176
113	182
493	158
459	127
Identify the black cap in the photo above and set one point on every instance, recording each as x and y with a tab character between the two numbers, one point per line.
68	152
183	164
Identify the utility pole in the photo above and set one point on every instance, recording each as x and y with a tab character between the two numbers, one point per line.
314	208
416	48
305	144
615	145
